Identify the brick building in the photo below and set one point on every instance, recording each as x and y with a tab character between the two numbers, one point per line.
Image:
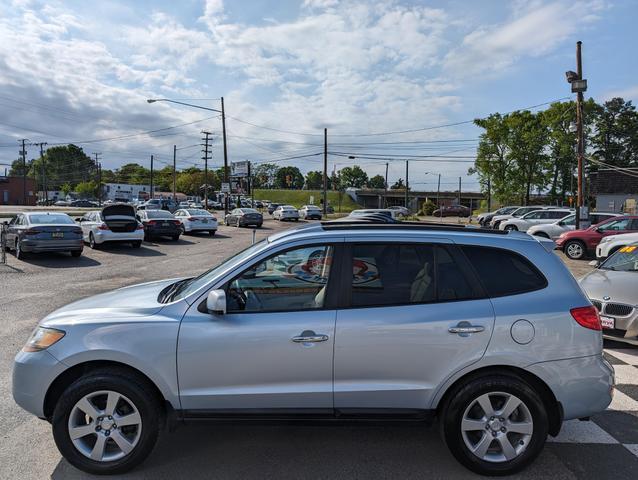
12	191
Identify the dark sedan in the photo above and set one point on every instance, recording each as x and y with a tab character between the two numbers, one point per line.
159	223
244	217
44	232
272	207
452	211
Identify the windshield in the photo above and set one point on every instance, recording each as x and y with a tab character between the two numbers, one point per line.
199	212
42	219
624	260
249	210
189	286
621	224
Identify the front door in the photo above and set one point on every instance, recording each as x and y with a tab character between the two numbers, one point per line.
273	349
405	330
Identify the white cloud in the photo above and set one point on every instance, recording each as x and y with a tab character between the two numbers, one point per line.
628	93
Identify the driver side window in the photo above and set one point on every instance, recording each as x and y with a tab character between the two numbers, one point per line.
292	280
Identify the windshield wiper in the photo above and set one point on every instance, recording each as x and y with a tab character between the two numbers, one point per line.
169	292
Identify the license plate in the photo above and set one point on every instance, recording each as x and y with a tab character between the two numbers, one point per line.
607	322
204	221
57	235
165	224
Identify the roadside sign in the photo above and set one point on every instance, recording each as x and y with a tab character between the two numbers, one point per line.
225	188
240	169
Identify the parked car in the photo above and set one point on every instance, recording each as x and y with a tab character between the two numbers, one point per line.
519	212
244	217
259	204
418	326
196	220
453	211
61	203
535	217
386	212
160	223
612	288
578	244
160	204
553	230
83	203
43	232
286	212
310	212
215	205
485	218
114	223
612	243
184	204
402	211
272	207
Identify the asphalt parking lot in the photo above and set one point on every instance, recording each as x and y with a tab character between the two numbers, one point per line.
606	447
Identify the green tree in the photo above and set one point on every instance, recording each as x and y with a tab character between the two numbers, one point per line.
17	168
378	181
264	175
398	185
66	189
289	177
64	164
133	173
86	189
615	138
190	182
314	180
353	177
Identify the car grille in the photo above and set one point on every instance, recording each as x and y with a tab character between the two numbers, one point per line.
618	309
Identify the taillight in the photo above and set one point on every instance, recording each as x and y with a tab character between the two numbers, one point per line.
587	317
140	226
32	231
191	219
103	226
77	230
176	222
151	222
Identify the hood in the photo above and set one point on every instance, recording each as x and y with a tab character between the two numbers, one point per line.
620	287
121	209
124	303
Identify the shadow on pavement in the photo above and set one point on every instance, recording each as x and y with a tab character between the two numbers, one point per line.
124	249
59	260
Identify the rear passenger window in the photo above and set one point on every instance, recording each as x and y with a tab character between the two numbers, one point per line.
503	272
399	274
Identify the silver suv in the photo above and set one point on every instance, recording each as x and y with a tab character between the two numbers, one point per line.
484	330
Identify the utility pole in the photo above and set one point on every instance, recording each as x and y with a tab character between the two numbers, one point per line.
152	195
175	173
579	133
407	184
226	179
325	171
23	152
385	187
206	140
459	190
99	177
489	194
42	170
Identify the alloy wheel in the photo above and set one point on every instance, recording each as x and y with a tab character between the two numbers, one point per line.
105	426
497	427
574	250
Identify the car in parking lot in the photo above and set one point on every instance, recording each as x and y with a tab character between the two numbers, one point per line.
272	207
244	217
612	288
160	204
114	223
402	211
159	223
310	212
43	232
518	212
578	244
196	220
485	218
286	212
331	321
612	243
452	211
565	224
83	203
535	217
385	212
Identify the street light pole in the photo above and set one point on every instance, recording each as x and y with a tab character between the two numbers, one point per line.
407	183
325	172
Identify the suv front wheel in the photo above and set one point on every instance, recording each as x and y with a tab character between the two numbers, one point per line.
495	425
106	423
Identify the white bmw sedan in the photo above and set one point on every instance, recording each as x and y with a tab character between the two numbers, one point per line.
196	220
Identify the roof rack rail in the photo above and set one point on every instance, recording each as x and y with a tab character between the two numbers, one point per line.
366	224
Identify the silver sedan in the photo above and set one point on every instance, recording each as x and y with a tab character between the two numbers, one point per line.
613	289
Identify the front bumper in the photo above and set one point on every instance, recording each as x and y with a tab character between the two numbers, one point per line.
33	373
51	245
199	227
583	386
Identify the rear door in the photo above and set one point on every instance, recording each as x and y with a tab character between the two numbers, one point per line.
404	328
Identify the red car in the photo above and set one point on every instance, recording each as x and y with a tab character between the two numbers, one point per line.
452	211
579	243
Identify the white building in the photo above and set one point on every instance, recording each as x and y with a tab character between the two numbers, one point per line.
125	192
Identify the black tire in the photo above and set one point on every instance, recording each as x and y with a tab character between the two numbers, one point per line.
465	395
175	238
511	228
212	232
135	388
137	244
575	249
19	254
76	253
237	224
92	243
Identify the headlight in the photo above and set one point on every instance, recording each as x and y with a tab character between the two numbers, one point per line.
605	239
42	338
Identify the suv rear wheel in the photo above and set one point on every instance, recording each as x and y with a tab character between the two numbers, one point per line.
495	425
106	423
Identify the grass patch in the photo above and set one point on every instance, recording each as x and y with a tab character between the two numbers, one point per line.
297	198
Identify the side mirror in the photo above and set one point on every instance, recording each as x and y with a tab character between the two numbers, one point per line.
78	219
594	263
216	302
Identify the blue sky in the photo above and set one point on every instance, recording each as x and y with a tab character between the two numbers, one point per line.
78	71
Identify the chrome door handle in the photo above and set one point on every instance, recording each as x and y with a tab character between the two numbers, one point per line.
465	328
309	336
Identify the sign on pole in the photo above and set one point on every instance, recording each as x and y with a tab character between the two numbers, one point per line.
225	188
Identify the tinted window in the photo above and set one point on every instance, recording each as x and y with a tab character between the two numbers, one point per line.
292	280
40	219
556	214
503	272
395	274
622	224
158	214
